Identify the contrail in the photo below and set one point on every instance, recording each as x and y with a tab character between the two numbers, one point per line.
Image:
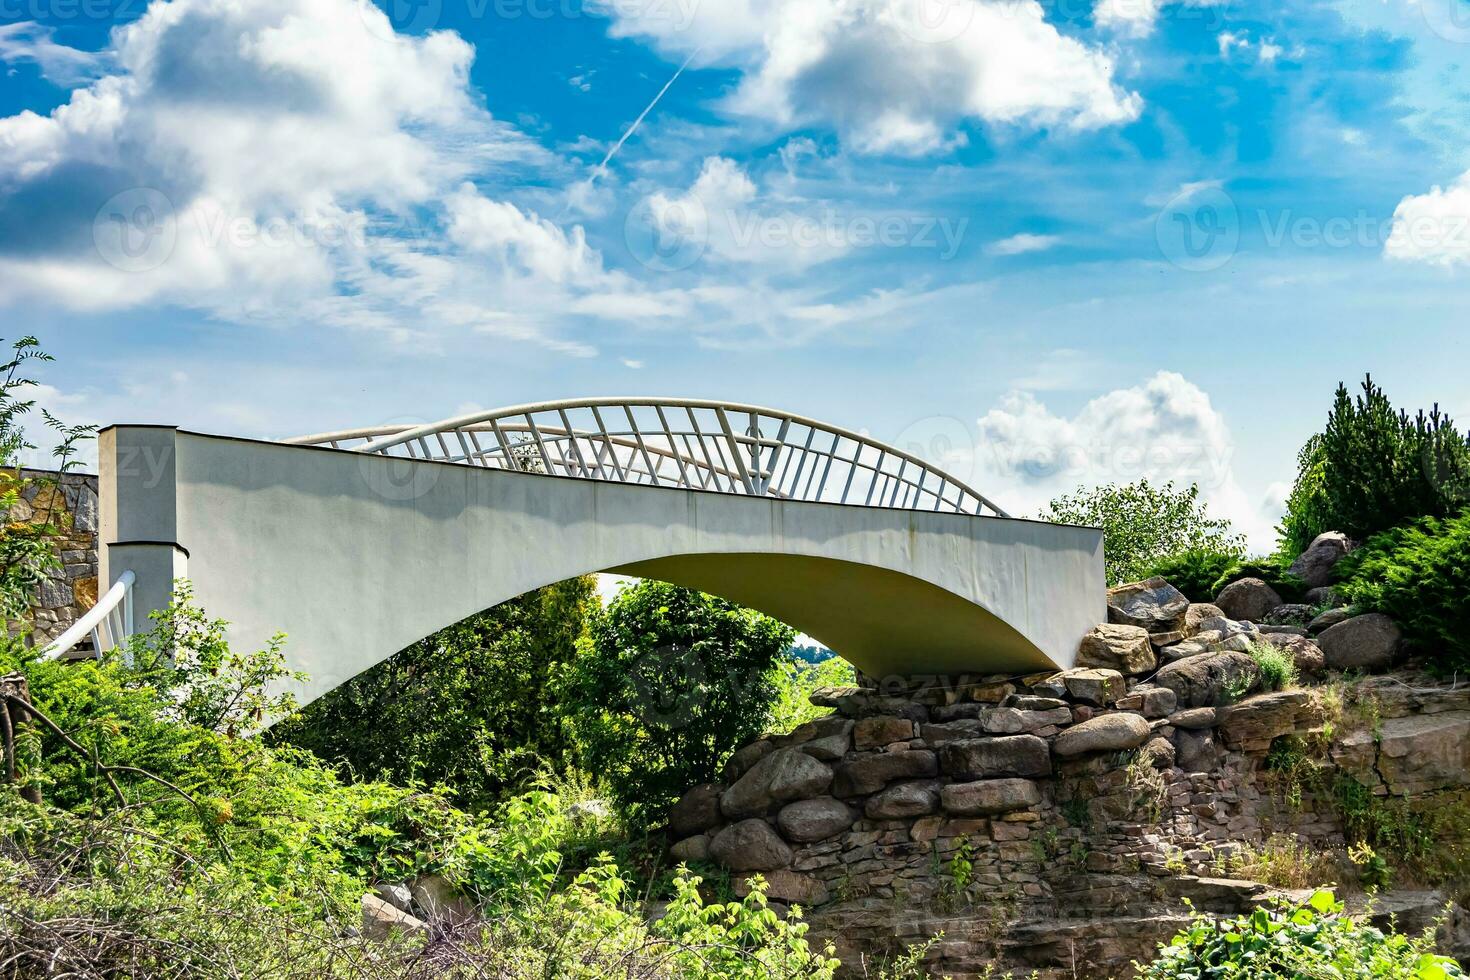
601	167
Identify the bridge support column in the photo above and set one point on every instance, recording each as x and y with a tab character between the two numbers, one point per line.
138	467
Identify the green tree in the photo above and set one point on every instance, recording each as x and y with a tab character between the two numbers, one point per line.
671	682
470	707
1143	524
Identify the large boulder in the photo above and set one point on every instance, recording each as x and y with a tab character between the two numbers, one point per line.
1289	614
808	821
787	886
1251	725
381	919
1210	679
870	773
981	758
987	797
1328	619
784	775
1248	598
1197	613
1154	605
697	811
880	730
1196	751
1105	733
903	801
1314	566
1124	648
1367	642
750	845
1095	686
1423	753
694	848
1014	721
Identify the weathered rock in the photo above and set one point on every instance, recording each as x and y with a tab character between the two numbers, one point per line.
1105	733
1013	721
747	756
903	801
1324	596
1219	629
950	731
1425	753
870	773
992	693
871	733
1157	702
1327	620
820	728
1314	566
1095	686
1197	613
1194	718
1183	651
782	776
1251	725
988	797
1307	655
1196	751
1210	680
750	845
1288	614
395	894
380	919
1368	642
694	848
830	748
1030	702
1158	752
697	811
1248	598
437	899
1161	640
1124	648
788	886
981	758
1154	605
808	821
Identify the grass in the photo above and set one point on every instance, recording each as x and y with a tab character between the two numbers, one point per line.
1277	666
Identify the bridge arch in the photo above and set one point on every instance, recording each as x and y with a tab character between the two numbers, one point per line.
356	552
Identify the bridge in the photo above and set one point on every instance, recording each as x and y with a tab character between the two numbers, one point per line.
358	543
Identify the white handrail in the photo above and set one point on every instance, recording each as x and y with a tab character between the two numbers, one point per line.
112	616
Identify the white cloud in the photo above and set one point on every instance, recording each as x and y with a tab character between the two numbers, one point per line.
1022	244
887	74
28	41
1139	18
283	160
1266	50
1164	429
1433	228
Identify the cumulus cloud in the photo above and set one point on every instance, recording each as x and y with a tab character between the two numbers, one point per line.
1139	18
281	155
1164	429
1433	228
1022	244
888	75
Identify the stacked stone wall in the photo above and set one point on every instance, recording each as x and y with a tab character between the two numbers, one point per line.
68	500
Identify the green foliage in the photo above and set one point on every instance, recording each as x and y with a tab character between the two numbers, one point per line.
796	681
471	707
1420	576
1143	524
1277	666
1268	569
1374	468
1194	572
1286	940
671	682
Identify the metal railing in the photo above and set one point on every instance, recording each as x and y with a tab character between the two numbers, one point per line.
687	443
109	622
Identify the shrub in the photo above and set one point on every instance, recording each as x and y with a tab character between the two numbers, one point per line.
670	683
1286	940
470	707
796	681
1277	667
1143	524
1194	572
1420	576
1372	469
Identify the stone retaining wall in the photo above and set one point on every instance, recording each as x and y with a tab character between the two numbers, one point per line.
71	501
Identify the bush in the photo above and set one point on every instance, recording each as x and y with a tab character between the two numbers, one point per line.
796	681
1287	940
670	683
1278	668
1373	468
471	707
1194	572
1143	524
1420	576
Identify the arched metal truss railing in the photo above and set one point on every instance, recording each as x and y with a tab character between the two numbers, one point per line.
686	443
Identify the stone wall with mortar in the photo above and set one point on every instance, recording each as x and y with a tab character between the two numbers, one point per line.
68	500
1054	822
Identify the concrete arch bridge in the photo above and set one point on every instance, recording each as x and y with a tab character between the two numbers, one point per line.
361	542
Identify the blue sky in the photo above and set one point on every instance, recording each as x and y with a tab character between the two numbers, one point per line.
1046	244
